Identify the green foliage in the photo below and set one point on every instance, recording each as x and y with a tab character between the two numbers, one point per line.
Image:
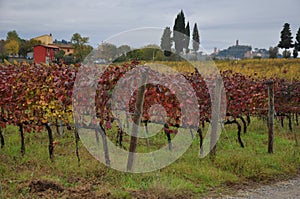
273	52
2	44
286	41
123	50
27	46
295	53
179	32
12	47
187	37
136	54
12	44
196	38
69	59
12	35
166	42
3	57
77	40
59	55
81	49
286	54
159	56
3	54
298	36
148	53
297	44
107	51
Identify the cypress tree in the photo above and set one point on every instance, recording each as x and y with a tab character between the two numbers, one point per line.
295	53
286	41
297	42
179	32
166	42
187	38
196	38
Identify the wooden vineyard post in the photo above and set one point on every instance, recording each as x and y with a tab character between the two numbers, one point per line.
215	118
136	120
22	139
270	85
1	138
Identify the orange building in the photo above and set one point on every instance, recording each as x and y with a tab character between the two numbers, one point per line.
68	48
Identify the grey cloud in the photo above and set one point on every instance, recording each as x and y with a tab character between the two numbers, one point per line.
256	22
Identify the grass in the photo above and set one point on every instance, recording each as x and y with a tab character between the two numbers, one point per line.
187	177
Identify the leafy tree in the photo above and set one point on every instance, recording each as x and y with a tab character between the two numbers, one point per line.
78	40
286	54
136	54
107	51
196	38
69	59
2	44
12	35
22	50
273	52
123	50
187	38
12	44
295	53
81	49
86	50
27	46
59	55
179	32
166	41
12	47
3	54
286	41
149	52
297	42
159	56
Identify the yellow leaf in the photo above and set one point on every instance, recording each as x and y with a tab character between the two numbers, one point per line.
15	63
44	120
7	63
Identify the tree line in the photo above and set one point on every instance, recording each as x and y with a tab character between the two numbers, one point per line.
16	46
180	37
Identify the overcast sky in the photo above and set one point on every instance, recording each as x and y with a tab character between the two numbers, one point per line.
254	22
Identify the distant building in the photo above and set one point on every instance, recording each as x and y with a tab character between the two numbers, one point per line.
65	46
45	39
234	52
44	53
260	53
68	48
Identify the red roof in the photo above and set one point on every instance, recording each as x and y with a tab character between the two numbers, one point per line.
47	46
